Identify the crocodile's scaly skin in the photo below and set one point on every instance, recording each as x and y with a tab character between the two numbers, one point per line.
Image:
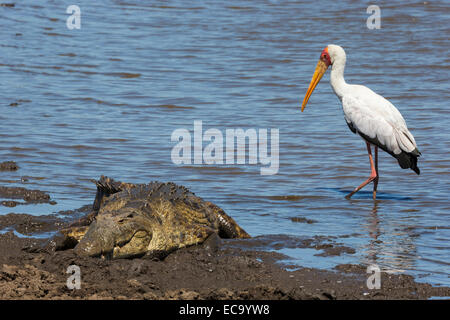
132	220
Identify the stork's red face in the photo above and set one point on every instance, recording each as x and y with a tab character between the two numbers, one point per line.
322	66
325	57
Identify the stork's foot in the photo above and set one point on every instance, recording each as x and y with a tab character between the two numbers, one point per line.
369	180
373	174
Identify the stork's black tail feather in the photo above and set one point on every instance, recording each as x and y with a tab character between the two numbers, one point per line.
414	166
408	160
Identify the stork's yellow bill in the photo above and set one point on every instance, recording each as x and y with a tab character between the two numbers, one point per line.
322	66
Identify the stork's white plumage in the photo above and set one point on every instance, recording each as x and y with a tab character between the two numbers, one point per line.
368	114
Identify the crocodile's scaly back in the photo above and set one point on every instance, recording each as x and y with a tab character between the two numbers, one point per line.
106	187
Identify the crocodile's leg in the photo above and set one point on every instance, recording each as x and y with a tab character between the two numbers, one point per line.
228	228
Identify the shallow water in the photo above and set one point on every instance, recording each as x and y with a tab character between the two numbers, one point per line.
105	99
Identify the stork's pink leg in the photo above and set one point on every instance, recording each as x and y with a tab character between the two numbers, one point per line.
373	173
375	181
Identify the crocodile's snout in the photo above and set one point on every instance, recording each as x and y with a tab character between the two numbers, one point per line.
104	238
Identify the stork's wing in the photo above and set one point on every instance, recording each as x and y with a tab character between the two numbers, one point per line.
377	120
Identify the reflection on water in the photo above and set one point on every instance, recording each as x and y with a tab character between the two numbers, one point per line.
393	254
105	99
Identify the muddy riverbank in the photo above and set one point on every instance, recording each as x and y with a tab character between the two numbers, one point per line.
30	268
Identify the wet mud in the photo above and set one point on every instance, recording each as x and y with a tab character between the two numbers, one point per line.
9	195
30	269
8	166
325	245
27	195
29	225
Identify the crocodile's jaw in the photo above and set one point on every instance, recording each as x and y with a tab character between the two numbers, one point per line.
76	233
137	246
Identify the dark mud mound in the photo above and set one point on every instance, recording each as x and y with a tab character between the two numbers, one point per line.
8	166
327	245
208	271
27	195
30	225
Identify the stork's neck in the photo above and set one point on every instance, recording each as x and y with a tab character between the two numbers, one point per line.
337	76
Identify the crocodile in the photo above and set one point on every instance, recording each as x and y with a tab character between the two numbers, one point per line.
146	220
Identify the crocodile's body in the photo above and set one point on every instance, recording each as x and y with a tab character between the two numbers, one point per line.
131	220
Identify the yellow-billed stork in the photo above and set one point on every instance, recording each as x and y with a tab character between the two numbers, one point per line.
368	114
